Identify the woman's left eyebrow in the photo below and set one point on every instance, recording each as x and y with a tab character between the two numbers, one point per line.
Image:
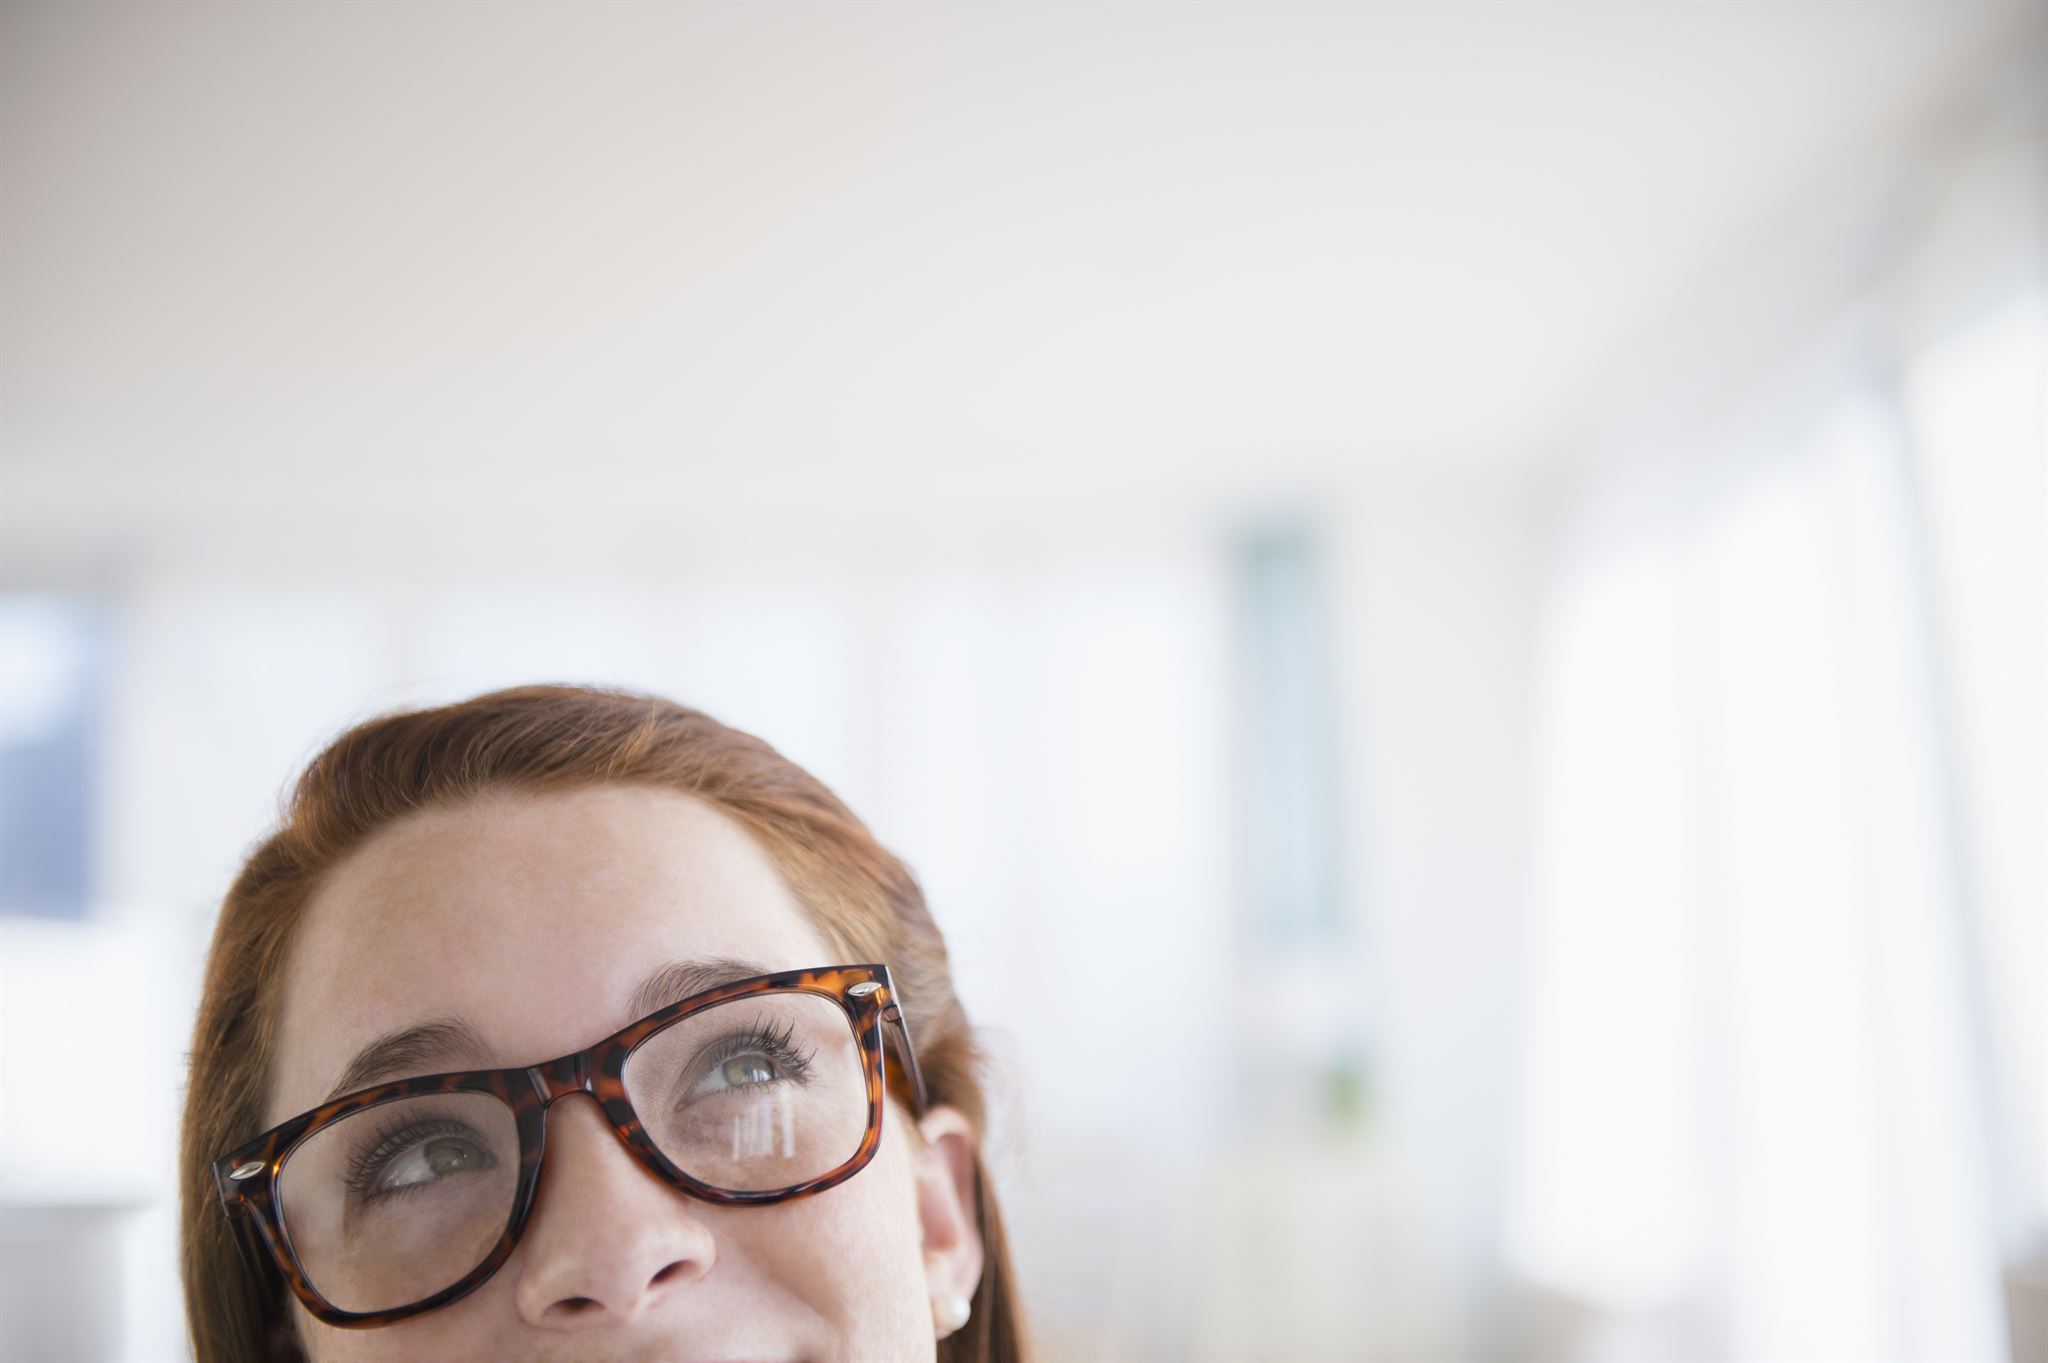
679	980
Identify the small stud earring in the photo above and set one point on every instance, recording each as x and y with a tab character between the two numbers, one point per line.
949	1314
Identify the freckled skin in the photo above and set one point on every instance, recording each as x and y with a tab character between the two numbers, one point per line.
535	917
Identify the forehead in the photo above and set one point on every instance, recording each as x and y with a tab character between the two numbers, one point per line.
532	917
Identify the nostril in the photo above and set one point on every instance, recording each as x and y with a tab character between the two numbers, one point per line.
666	1273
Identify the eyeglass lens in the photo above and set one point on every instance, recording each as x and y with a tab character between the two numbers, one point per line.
394	1203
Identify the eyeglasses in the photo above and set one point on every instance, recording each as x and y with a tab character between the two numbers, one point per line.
400	1198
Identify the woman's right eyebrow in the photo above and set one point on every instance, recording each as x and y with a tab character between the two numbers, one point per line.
428	1048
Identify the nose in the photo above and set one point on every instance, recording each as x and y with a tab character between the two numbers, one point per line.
609	1240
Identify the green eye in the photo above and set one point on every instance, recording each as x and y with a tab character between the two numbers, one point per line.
449	1157
755	1060
418	1156
742	1070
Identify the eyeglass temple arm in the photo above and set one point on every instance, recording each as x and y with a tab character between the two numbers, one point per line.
894	1013
249	1240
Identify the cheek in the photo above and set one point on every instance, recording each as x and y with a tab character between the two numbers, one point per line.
854	1256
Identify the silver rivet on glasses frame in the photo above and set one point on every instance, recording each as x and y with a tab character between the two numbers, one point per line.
864	989
249	1170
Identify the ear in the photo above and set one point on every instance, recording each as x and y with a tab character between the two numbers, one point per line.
946	1204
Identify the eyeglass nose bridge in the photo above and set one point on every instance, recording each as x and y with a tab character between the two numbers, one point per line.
560	1077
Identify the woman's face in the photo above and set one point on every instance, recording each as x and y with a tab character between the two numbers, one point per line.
534	919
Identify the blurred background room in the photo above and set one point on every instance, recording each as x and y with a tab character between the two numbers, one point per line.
1464	583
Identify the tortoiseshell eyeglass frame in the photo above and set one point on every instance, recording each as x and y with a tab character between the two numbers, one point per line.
246	1177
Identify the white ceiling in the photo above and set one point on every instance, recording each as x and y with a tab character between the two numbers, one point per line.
266	257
